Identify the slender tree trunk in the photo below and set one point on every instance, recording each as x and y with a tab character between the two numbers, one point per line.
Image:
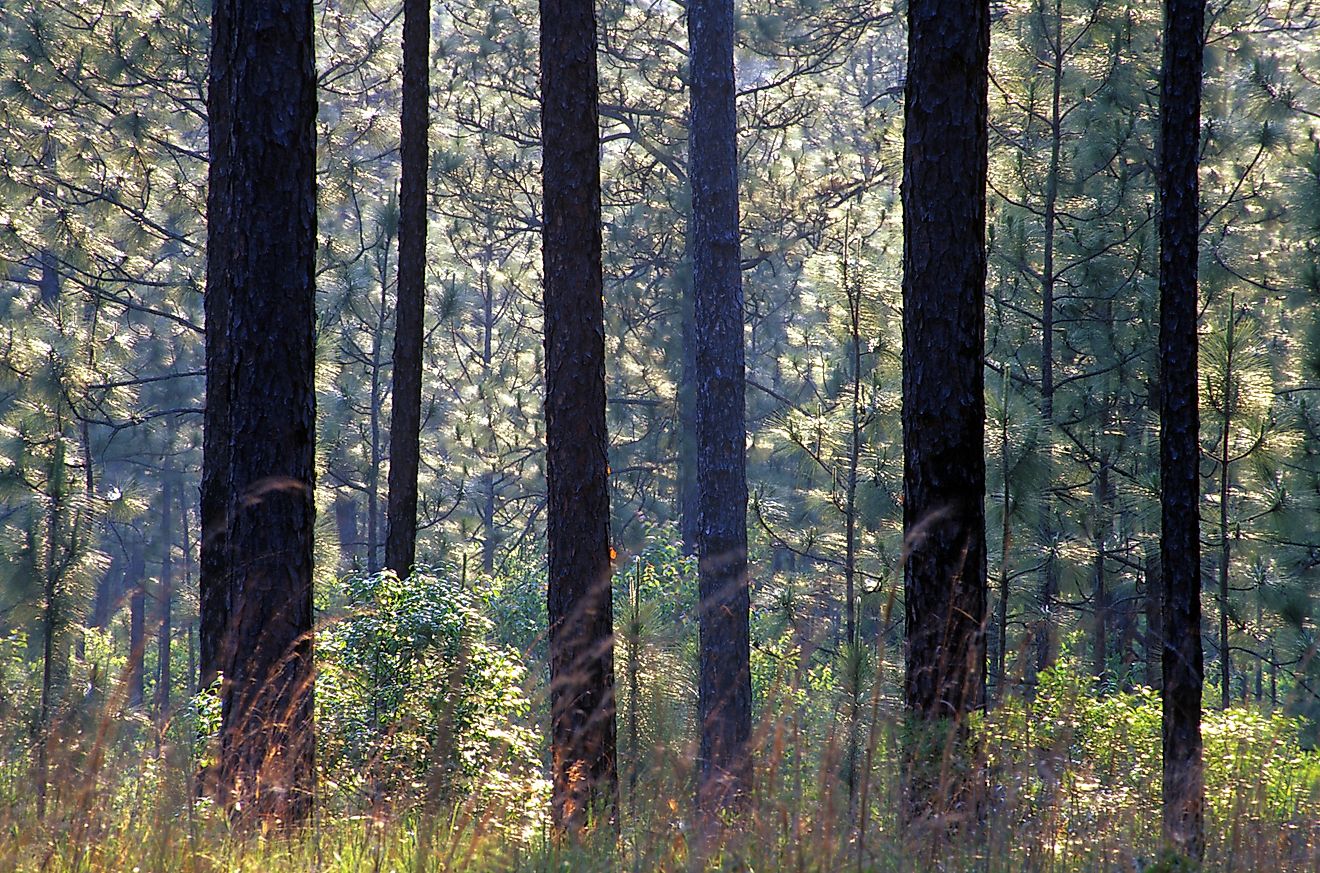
1006	540
1274	680
51	622
1260	661
1225	492
137	627
109	588
488	541
725	692
1046	632
406	415
489	535
944	269
377	449
1180	102
185	532
853	290
1100	591
258	457
346	524
582	731
166	598
634	684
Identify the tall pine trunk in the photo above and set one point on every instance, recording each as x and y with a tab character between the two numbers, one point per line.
163	665
1225	492
725	688
1046	634
258	453
1180	450
406	415
944	268
582	732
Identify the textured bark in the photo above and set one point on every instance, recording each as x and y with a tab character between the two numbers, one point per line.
1180	553
582	733
725	692
258	458
944	265
163	665
406	415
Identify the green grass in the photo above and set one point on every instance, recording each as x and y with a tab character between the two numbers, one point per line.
1073	785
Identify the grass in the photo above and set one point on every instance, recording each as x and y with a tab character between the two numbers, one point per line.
1073	785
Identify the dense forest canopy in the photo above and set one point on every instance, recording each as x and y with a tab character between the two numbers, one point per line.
775	263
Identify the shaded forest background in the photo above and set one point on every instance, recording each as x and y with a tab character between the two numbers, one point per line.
103	143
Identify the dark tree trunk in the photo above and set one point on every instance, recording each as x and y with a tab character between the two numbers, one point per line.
137	627
406	417
109	589
166	597
1006	543
944	266
489	535
1225	492
346	523
258	455
49	282
725	693
582	733
185	547
1046	632
1180	553
1100	590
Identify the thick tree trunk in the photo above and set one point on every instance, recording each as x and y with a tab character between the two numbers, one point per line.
258	456
944	266
1183	668
582	732
406	417
725	693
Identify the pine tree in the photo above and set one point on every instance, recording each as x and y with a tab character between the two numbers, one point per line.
582	731
406	394
257	504
1180	448
725	694
944	270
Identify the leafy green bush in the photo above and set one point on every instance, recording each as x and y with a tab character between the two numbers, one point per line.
414	700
